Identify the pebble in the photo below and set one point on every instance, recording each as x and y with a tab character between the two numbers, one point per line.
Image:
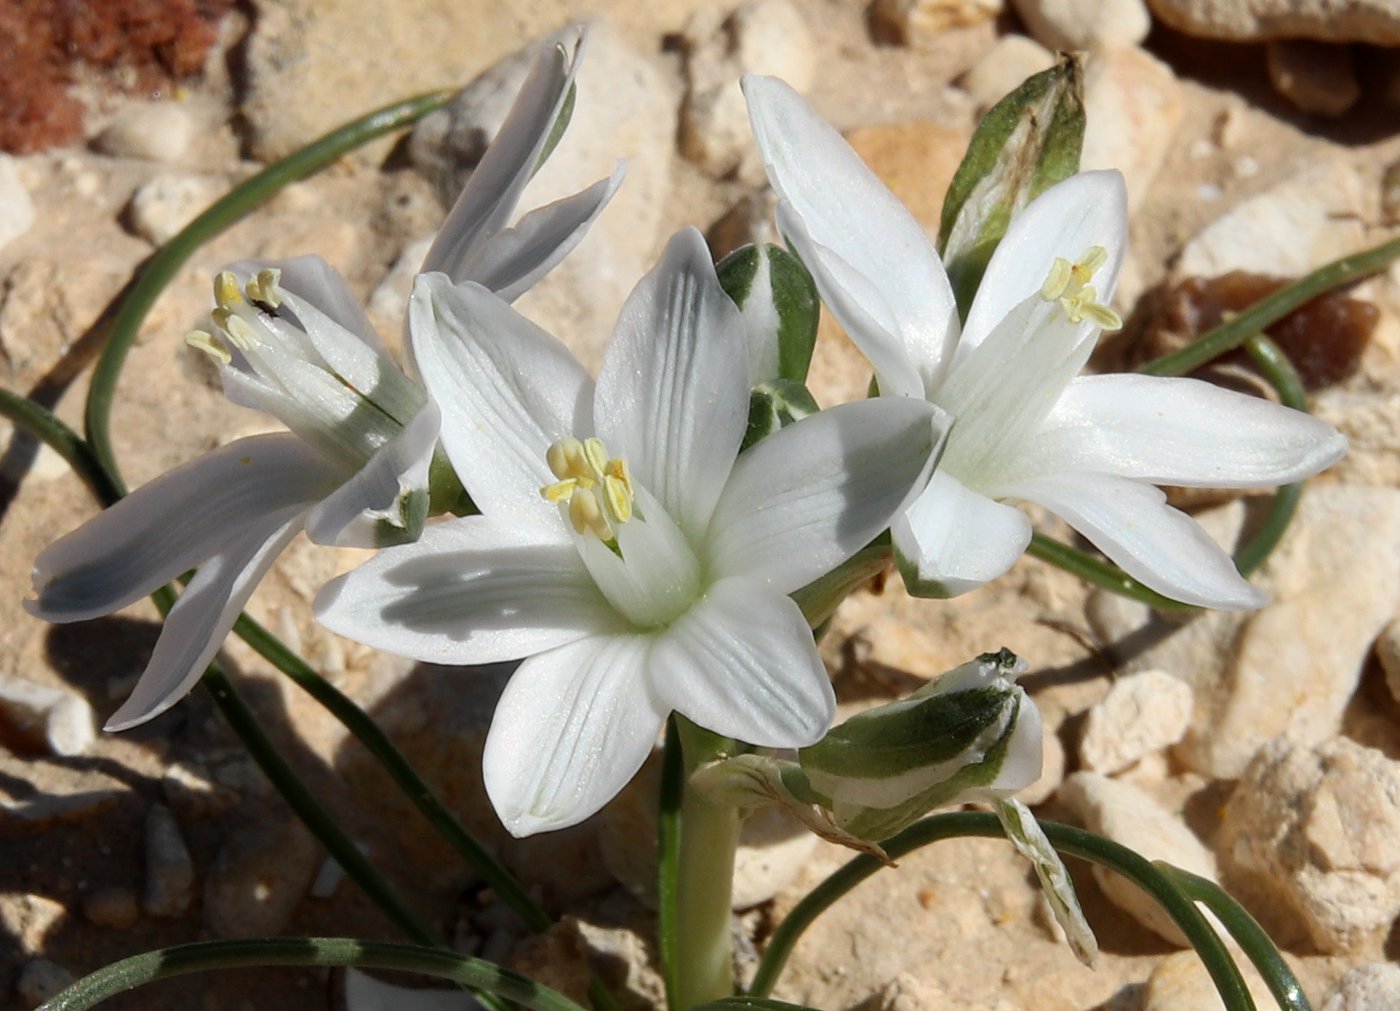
774	847
364	992
1373	21
153	131
1181	983
169	886
1388	652
760	37
1295	226
165	204
191	792
1313	832
1129	816
1004	68
1317	77
1141	714
920	24
56	721
1294	665
29	920
1374	987
114	906
16	208
1085	24
1133	105
257	879
41	979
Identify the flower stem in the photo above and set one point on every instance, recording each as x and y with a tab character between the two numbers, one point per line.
1268	311
1279	371
1164	888
484	977
243	199
702	966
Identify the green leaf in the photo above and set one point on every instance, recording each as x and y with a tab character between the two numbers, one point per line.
1026	143
781	310
776	405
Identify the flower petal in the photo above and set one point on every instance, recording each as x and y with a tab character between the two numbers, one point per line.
953	539
673	393
803	500
874	264
489	198
386	502
313	280
512	260
742	663
1086	210
1183	432
573	727
171	524
507	391
199	622
469	591
1132	524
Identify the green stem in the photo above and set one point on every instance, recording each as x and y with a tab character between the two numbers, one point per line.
1098	572
63	440
703	965
1073	841
1274	365
237	204
139	970
668	857
1287	991
1268	311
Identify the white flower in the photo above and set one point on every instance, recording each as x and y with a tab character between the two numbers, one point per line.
294	342
624	547
1089	449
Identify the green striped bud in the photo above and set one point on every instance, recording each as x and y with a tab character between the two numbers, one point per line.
779	303
972	734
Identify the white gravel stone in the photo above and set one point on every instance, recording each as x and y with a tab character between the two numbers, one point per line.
154	131
58	720
169	888
1130	816
773	848
1317	77
16	208
41	979
1374	987
1181	983
164	205
920	23
1141	714
1085	24
1004	67
1388	652
259	876
1133	104
1315	833
762	37
1373	21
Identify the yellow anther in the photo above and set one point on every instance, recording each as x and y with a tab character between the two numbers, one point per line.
265	287
597	487
1069	285
226	293
206	342
239	331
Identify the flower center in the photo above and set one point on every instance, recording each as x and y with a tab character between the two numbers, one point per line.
230	307
597	487
1069	285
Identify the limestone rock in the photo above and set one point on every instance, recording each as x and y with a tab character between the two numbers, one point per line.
28	921
1293	666
41	979
1373	21
16	207
1129	816
1181	983
153	131
1388	652
192	793
1133	104
1003	69
169	886
773	848
1315	833
115	907
1374	987
258	878
916	159
759	37
919	23
1085	24
1052	765
1303	222
58	721
164	205
1142	714
1317	77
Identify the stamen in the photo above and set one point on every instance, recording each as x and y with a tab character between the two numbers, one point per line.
264	289
226	293
202	340
1069	285
597	487
1058	281
239	331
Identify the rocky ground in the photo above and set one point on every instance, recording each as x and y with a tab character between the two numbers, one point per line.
1259	749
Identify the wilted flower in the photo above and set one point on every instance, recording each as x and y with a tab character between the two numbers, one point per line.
1089	449
293	341
625	547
